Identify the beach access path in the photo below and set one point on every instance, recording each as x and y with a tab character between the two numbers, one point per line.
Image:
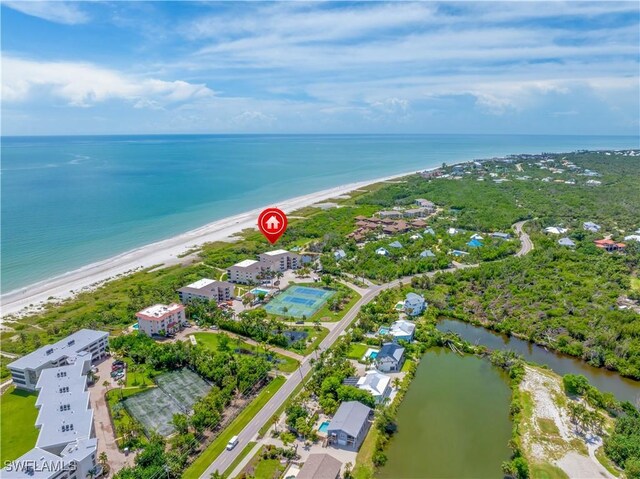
226	458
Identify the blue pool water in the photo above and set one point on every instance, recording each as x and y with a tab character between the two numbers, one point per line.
324	427
383	331
257	291
373	355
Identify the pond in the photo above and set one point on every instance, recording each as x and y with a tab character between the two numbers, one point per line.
607	381
453	422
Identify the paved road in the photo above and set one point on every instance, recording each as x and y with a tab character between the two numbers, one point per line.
224	460
527	244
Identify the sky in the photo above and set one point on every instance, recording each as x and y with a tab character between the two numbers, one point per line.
72	68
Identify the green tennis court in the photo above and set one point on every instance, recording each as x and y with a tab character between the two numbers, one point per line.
298	301
177	392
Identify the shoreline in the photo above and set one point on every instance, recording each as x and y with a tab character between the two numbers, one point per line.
31	299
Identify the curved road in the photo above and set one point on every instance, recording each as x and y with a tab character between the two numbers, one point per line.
226	458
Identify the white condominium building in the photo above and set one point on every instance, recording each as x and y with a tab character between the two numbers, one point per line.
207	289
280	260
66	447
250	270
26	370
160	319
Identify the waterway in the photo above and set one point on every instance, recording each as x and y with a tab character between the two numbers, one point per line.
607	381
453	422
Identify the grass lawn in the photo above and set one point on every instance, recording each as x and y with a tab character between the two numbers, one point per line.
635	283
239	459
211	341
407	364
547	471
318	333
364	467
268	468
606	462
137	374
217	446
357	350
18	432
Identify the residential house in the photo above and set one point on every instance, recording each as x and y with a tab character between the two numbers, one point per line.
457	252
632	238
349	425
415	237
590	226
160	319
452	231
609	245
396	244
340	254
206	289
402	330
594	182
414	304
378	384
418	224
476	236
427	254
390	358
474	243
320	466
382	252
566	242
26	370
556	230
504	236
429	231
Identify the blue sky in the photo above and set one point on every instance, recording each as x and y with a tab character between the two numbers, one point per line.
297	67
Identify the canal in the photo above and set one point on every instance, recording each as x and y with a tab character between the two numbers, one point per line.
607	381
453	422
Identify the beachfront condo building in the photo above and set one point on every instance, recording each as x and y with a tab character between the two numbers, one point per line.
160	319
280	260
206	289
252	271
26	371
66	447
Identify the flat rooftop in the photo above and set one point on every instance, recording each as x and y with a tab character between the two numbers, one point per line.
246	263
276	252
159	311
201	283
66	347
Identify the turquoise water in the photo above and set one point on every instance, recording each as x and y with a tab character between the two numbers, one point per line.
382	331
257	291
70	201
324	427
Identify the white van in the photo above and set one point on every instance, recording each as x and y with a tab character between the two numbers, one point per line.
233	442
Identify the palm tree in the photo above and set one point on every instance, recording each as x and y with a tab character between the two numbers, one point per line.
102	459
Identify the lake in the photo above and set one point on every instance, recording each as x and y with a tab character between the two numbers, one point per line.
453	422
624	389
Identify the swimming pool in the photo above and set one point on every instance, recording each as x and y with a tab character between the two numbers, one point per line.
324	427
136	326
382	331
371	353
257	291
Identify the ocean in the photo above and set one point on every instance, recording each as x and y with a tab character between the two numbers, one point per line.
70	201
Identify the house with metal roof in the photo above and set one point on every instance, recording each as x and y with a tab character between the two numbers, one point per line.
26	370
591	226
340	254
396	244
382	252
427	254
566	242
320	466
402	330
499	235
349	425
414	304
390	358
376	383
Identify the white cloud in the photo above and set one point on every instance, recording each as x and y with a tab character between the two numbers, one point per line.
83	84
67	13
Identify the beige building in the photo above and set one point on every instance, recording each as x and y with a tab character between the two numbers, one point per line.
207	289
159	319
252	271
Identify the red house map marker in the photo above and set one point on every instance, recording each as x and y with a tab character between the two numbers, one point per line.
272	223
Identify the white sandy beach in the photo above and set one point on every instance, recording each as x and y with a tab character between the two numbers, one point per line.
30	299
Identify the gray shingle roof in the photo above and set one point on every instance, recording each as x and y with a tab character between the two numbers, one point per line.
320	466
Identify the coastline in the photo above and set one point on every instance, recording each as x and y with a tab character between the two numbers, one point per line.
31	299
